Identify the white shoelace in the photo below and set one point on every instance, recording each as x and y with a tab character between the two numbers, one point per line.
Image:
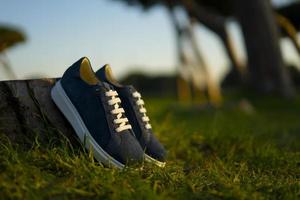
142	109
120	121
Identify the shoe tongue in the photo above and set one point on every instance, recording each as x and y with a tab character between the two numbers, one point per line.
108	86
127	90
130	88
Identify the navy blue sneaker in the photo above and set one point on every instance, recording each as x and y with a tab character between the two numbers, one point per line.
94	110
136	112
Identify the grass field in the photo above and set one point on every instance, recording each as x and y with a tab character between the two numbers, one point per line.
230	153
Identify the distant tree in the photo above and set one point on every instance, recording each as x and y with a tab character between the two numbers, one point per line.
9	37
260	30
184	34
259	24
261	34
288	18
213	14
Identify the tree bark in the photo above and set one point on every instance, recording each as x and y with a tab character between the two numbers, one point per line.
261	35
27	112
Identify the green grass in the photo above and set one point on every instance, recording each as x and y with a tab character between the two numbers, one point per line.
212	154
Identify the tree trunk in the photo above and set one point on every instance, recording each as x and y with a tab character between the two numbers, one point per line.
27	112
238	68
217	24
183	86
213	88
266	68
290	30
4	62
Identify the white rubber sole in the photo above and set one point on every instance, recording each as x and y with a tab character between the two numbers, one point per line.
63	102
154	161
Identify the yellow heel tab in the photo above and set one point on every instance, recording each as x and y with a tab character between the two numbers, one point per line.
86	72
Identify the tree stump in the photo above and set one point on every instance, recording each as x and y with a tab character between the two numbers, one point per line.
27	112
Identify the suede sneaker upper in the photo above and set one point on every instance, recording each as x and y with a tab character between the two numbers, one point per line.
136	112
99	108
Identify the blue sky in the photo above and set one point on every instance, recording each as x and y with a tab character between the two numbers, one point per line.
61	31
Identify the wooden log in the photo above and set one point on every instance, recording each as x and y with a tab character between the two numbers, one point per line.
27	111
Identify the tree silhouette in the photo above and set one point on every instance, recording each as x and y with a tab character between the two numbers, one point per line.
265	63
261	34
9	37
188	69
288	18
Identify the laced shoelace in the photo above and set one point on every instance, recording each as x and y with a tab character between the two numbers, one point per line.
142	109
120	121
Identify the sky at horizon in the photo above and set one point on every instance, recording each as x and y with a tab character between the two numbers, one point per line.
59	32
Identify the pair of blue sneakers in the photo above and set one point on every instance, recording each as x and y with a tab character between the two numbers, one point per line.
110	119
